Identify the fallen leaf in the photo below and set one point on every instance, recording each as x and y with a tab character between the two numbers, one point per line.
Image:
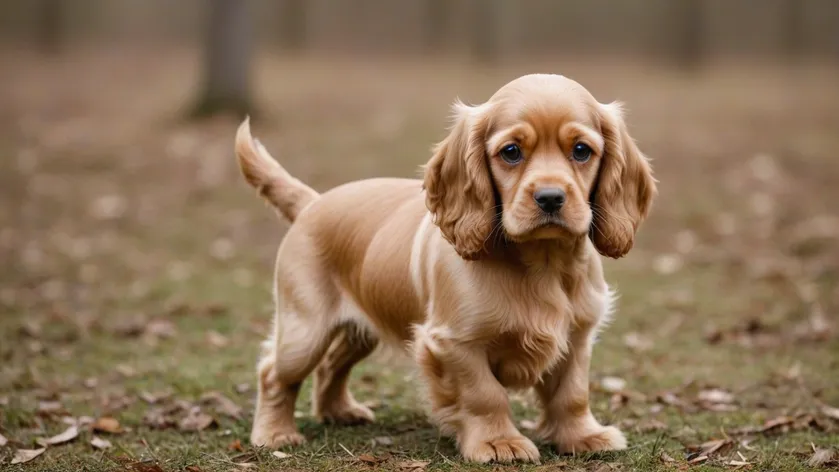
383	441
612	384
636	342
821	457
618	401
368	459
90	382
413	466
698	460
160	329
196	420
666	458
280	455
152	398
528	424
193	468
25	455
830	412
738	464
236	445
223	404
99	443
3	440
717	445
50	407
217	339
242	387
715	395
68	435
780	422
125	370
106	424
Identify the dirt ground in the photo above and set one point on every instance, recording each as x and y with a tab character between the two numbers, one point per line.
137	263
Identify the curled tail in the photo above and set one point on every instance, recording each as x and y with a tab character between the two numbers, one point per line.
285	193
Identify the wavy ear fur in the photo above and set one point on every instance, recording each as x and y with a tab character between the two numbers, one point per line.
625	188
458	185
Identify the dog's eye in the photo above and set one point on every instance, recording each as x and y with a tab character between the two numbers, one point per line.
511	154
581	152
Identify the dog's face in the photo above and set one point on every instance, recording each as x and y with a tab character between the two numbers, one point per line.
549	159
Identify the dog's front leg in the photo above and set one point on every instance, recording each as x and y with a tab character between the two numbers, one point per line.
467	400
567	420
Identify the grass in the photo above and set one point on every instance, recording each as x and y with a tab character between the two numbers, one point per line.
138	262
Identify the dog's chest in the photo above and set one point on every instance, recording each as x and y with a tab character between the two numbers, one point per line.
539	335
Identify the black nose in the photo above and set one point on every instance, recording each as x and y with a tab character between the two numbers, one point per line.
549	199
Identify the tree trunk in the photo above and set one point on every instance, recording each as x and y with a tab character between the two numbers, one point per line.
690	15
435	25
227	59
485	26
293	20
51	26
794	30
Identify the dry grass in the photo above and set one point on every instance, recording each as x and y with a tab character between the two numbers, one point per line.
138	265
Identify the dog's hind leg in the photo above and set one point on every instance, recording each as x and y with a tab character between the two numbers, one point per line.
305	320
332	401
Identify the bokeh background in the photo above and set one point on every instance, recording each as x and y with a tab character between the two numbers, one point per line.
135	259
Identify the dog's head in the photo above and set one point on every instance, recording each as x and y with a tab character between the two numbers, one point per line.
541	159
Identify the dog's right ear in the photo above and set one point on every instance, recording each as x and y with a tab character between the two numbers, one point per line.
458	185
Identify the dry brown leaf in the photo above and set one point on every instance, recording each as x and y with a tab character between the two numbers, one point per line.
666	458
99	443
280	455
236	445
612	384
160	329
715	446
830	412
152	398
242	387
368	459
781	422
636	342
738	464
193	468
383	441
125	370
715	395
23	456
698	460
413	466
3	440
68	435
50	407
222	404
217	340
821	457
196	420
529	425
106	424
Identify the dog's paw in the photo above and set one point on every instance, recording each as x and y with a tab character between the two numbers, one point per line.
606	438
504	450
351	413
276	440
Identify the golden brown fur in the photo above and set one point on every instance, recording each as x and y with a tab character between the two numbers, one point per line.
488	288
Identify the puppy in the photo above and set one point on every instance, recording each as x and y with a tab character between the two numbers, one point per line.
487	271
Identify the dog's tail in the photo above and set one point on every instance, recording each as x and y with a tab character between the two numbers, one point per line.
285	193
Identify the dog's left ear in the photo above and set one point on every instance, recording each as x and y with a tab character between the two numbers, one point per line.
624	190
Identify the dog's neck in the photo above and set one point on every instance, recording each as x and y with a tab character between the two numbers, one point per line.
544	255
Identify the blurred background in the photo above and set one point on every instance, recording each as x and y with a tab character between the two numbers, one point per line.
126	225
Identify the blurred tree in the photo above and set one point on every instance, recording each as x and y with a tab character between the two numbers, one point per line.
51	26
485	14
227	59
690	16
435	24
793	29
293	18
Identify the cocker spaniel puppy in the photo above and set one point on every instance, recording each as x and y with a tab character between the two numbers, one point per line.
487	271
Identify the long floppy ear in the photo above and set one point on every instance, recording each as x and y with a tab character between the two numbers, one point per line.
458	185
625	187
